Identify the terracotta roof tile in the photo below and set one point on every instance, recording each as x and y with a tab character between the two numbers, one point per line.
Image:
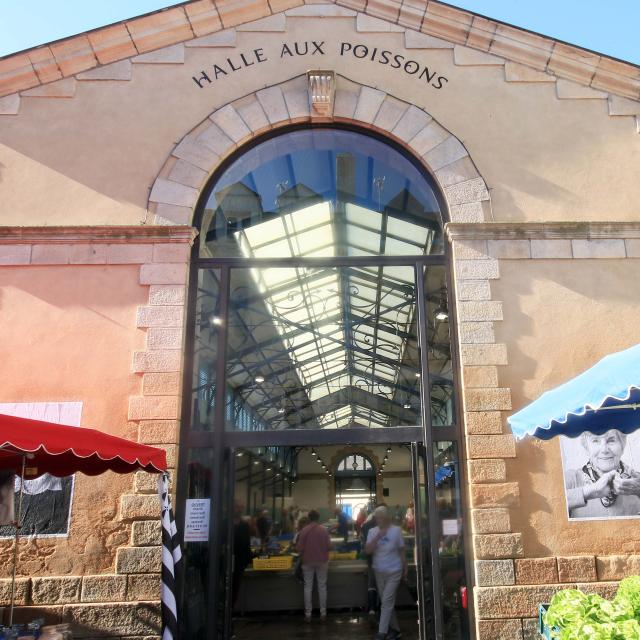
203	17
356	5
74	55
44	64
481	33
160	29
17	73
521	46
283	5
112	43
384	9
617	77
234	12
412	14
577	65
447	22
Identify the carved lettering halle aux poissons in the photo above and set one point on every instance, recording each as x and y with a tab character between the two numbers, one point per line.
237	62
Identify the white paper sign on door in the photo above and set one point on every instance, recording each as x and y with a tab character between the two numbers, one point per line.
450	528
196	521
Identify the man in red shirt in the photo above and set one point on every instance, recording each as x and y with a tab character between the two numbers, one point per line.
313	546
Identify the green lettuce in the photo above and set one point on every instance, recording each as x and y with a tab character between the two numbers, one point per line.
567	607
573	615
588	630
629	592
629	629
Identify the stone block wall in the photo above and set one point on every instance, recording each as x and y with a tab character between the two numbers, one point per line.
125	602
509	583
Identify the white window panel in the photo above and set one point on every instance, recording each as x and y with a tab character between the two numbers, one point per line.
332	330
273	278
365	217
300	339
362	238
323	252
306	352
405	229
312	240
393	299
400	273
275	249
266	232
309	216
317	392
298	316
397	247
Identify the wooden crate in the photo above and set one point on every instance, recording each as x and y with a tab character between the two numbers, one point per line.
274	563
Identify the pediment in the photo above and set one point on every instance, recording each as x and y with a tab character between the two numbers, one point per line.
148	39
121	115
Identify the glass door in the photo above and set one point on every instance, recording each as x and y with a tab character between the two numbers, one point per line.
425	569
227	556
442	589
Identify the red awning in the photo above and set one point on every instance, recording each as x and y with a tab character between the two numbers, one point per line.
62	450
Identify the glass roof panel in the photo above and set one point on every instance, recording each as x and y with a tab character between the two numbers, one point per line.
363	238
330	343
336	182
365	217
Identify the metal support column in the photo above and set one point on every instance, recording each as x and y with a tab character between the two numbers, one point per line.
434	529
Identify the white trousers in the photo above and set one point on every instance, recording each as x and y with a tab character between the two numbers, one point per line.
320	572
388	584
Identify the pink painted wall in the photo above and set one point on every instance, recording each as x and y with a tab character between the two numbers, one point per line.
68	334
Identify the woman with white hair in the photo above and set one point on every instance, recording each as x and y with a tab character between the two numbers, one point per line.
605	486
386	544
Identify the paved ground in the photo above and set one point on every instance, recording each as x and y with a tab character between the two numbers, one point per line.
339	626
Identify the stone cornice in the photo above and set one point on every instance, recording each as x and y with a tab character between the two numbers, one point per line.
541	230
98	235
106	45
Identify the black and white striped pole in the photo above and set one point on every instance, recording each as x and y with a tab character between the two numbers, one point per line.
171	556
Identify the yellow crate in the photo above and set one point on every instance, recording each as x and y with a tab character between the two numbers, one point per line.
343	555
274	563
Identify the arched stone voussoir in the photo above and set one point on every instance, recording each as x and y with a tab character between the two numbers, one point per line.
193	160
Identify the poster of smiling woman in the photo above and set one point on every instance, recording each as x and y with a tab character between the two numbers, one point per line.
602	475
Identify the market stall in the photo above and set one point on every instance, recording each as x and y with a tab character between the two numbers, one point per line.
270	585
32	448
600	407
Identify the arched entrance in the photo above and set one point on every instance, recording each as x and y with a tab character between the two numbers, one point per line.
355	485
319	316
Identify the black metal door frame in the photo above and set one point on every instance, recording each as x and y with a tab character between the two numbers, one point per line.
221	441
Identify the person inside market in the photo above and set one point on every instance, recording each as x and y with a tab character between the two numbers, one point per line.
242	554
343	524
372	589
313	546
264	525
386	544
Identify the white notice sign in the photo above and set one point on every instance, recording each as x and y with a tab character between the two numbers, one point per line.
196	520
450	528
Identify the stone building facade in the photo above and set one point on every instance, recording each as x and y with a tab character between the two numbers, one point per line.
107	140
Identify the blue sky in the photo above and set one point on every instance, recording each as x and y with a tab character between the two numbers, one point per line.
607	26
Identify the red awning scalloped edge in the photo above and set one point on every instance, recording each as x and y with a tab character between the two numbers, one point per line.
62	450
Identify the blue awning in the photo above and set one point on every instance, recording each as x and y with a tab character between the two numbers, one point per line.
607	396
